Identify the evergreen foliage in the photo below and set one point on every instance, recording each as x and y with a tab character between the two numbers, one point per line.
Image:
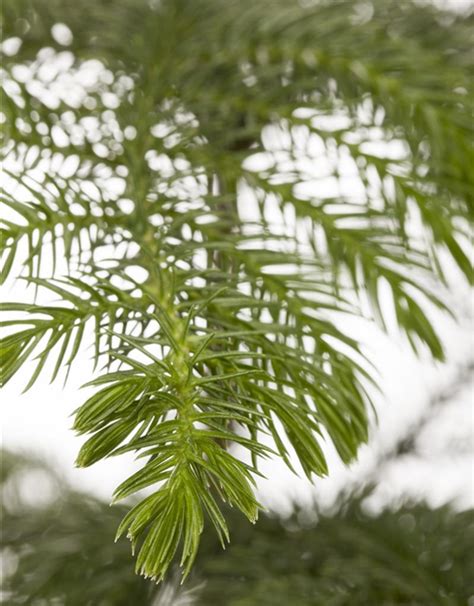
190	245
59	552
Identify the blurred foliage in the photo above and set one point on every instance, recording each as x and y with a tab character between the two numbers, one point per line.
58	543
415	556
213	185
57	551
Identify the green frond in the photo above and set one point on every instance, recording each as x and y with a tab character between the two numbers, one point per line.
208	187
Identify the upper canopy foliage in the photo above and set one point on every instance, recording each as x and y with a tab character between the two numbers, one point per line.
207	186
